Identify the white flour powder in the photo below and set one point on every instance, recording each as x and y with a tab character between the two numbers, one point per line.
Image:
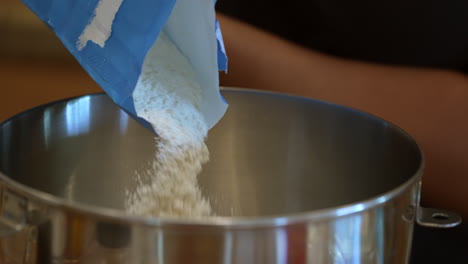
168	96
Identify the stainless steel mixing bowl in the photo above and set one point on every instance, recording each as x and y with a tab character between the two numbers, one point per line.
297	181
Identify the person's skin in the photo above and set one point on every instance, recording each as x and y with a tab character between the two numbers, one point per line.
430	104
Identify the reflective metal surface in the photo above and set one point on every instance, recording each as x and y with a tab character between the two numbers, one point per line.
439	218
297	181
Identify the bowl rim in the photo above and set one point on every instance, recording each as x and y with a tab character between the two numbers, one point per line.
52	202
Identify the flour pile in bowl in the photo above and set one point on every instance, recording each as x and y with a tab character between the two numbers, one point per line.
168	96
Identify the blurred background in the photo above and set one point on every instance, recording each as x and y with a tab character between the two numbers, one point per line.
35	68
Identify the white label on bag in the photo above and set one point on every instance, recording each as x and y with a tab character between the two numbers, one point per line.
100	28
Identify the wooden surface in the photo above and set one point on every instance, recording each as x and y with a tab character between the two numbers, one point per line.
26	84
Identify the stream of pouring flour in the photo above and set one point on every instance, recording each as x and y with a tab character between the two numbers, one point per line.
168	96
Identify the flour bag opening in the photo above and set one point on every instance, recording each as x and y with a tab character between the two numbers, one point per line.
112	38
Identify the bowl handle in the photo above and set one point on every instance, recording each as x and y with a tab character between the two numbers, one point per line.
437	218
12	212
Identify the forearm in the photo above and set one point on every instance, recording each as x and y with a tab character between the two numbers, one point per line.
262	61
429	104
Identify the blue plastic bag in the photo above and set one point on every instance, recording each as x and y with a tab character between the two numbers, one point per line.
110	39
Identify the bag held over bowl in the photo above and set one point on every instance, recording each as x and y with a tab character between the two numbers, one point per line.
111	38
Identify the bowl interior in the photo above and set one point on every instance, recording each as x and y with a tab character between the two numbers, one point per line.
270	155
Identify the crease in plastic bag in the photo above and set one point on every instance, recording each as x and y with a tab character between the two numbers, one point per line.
125	30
